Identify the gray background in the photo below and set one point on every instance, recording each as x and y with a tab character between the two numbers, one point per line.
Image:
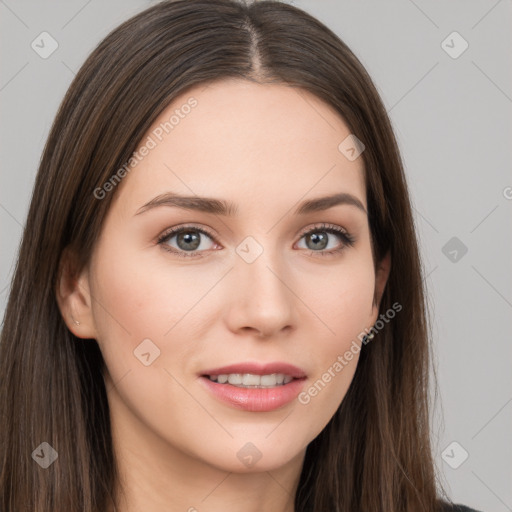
452	120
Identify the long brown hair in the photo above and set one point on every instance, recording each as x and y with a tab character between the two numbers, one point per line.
375	453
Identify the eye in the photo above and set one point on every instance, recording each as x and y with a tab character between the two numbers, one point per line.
189	243
188	239
317	239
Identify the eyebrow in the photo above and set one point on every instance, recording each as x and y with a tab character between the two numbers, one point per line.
227	208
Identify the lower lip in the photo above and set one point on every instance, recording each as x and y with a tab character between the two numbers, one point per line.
255	399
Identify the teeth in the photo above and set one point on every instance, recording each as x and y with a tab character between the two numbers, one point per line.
235	379
249	380
266	380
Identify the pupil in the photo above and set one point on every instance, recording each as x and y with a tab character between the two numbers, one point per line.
322	239
188	237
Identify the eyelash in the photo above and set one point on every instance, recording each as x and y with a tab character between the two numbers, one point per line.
347	238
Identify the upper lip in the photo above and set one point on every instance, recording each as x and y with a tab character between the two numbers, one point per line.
258	369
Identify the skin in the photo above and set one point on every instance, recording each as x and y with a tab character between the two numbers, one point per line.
177	444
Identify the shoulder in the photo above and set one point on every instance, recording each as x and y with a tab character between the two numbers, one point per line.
452	507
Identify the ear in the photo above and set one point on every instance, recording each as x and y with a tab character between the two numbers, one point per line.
74	298
381	278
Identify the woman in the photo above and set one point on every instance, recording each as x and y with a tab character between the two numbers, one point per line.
218	301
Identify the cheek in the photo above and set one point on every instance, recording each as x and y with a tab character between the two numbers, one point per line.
342	310
141	294
341	298
139	297
141	318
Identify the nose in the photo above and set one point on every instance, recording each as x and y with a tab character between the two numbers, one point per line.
261	300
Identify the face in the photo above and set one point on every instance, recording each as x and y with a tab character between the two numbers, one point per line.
264	286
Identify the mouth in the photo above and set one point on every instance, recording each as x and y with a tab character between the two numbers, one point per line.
255	387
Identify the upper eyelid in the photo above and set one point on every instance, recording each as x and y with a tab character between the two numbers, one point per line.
323	225
175	230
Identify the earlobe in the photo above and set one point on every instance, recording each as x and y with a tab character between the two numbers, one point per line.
74	298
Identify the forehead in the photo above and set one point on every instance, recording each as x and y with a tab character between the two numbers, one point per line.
248	142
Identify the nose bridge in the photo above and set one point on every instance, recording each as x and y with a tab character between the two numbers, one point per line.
263	263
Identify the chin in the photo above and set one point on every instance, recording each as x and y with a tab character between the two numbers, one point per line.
256	456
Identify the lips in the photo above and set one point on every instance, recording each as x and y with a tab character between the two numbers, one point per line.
265	396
